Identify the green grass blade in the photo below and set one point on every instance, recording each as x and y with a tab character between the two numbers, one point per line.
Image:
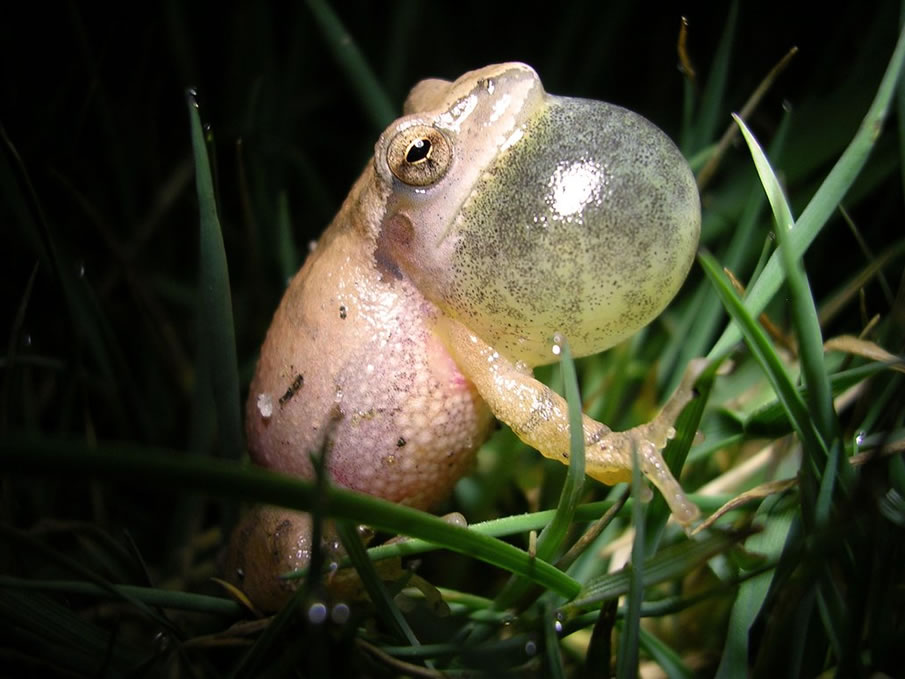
627	660
713	99
386	607
702	317
143	466
669	564
766	356
555	667
555	532
64	638
552	537
666	657
152	596
804	314
778	514
350	59
824	202
216	301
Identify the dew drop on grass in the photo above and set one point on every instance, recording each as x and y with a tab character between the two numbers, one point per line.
340	613
162	641
530	648
859	438
317	612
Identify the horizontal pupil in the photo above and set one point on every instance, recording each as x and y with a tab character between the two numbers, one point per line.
418	150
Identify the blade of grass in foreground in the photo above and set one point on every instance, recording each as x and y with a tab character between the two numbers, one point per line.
215	300
386	607
824	202
555	532
142	466
627	660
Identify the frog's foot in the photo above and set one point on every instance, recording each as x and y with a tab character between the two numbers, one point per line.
608	456
609	460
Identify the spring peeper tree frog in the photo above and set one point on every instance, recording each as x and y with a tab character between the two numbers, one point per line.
492	218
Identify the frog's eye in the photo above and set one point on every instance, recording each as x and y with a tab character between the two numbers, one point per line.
419	155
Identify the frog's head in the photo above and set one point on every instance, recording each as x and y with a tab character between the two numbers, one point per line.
523	215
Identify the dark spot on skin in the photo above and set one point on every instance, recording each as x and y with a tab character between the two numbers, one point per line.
400	442
342	311
396	235
293	388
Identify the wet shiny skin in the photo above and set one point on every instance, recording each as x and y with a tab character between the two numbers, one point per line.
492	217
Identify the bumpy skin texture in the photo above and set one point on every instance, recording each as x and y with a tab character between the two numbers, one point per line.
493	217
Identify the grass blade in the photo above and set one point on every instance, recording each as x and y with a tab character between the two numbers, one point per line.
350	59
627	660
215	300
824	202
804	314
143	466
766	356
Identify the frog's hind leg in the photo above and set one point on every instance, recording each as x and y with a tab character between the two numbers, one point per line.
539	417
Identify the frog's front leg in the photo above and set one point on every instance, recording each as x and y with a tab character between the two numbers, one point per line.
539	417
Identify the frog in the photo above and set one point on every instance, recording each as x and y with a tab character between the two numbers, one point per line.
494	222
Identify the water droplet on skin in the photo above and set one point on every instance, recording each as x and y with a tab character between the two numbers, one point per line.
530	648
317	613
265	405
340	614
161	641
671	432
557	344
